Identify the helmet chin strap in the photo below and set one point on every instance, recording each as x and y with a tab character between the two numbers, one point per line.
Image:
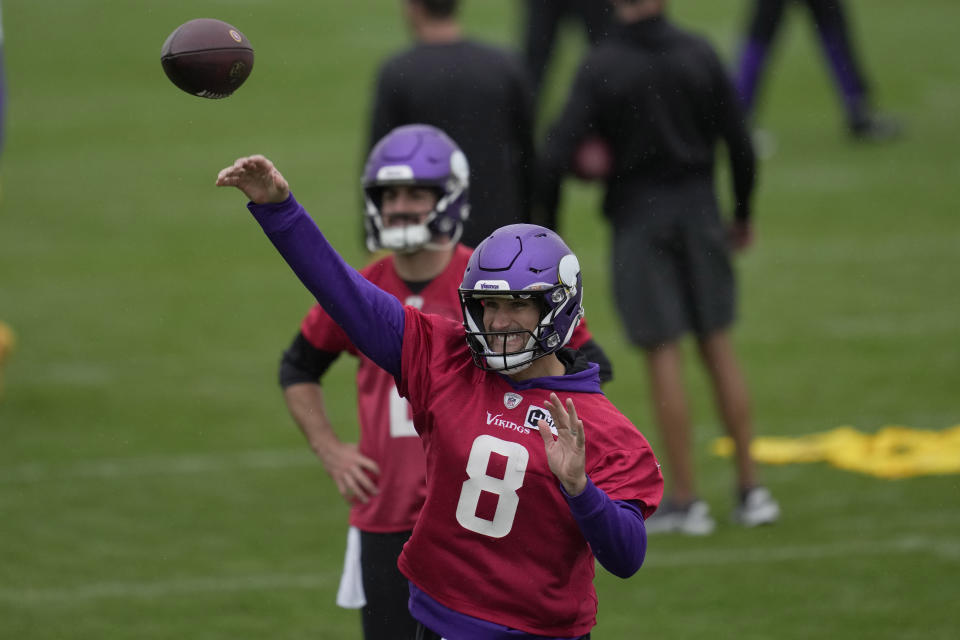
411	238
510	364
408	238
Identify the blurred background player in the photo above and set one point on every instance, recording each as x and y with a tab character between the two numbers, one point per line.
417	198
662	100
525	492
541	22
479	95
837	44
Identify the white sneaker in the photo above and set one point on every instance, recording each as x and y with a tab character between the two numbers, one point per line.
693	519
757	507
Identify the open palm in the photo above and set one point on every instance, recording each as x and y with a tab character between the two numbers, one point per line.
566	454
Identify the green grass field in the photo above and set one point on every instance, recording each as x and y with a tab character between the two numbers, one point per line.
152	484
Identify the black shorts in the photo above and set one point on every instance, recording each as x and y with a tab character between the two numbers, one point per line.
671	266
385	616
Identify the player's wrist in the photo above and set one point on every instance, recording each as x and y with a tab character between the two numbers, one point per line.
575	486
327	449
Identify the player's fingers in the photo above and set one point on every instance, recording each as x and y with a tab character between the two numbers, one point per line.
363	494
354	490
559	411
562	420
369	465
260	164
576	424
544	430
555	407
243	168
359	495
343	489
352	493
226	172
551	408
364	482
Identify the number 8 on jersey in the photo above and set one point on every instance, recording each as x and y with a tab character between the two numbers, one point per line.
504	488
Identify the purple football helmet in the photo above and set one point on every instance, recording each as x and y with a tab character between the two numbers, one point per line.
522	261
423	156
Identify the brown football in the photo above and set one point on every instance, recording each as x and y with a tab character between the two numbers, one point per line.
207	58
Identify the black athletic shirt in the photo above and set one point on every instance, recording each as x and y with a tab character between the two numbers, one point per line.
663	99
480	96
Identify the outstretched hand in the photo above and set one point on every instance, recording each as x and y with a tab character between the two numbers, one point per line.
257	178
566	454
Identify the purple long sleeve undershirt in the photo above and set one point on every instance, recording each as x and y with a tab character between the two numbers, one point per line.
372	318
614	529
374	321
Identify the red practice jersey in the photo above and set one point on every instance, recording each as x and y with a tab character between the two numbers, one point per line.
496	517
387	435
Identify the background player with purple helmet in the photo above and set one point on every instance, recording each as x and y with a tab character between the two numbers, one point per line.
524	490
424	156
417	198
478	94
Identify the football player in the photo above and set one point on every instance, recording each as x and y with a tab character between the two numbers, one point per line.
478	94
524	490
837	44
416	193
665	122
